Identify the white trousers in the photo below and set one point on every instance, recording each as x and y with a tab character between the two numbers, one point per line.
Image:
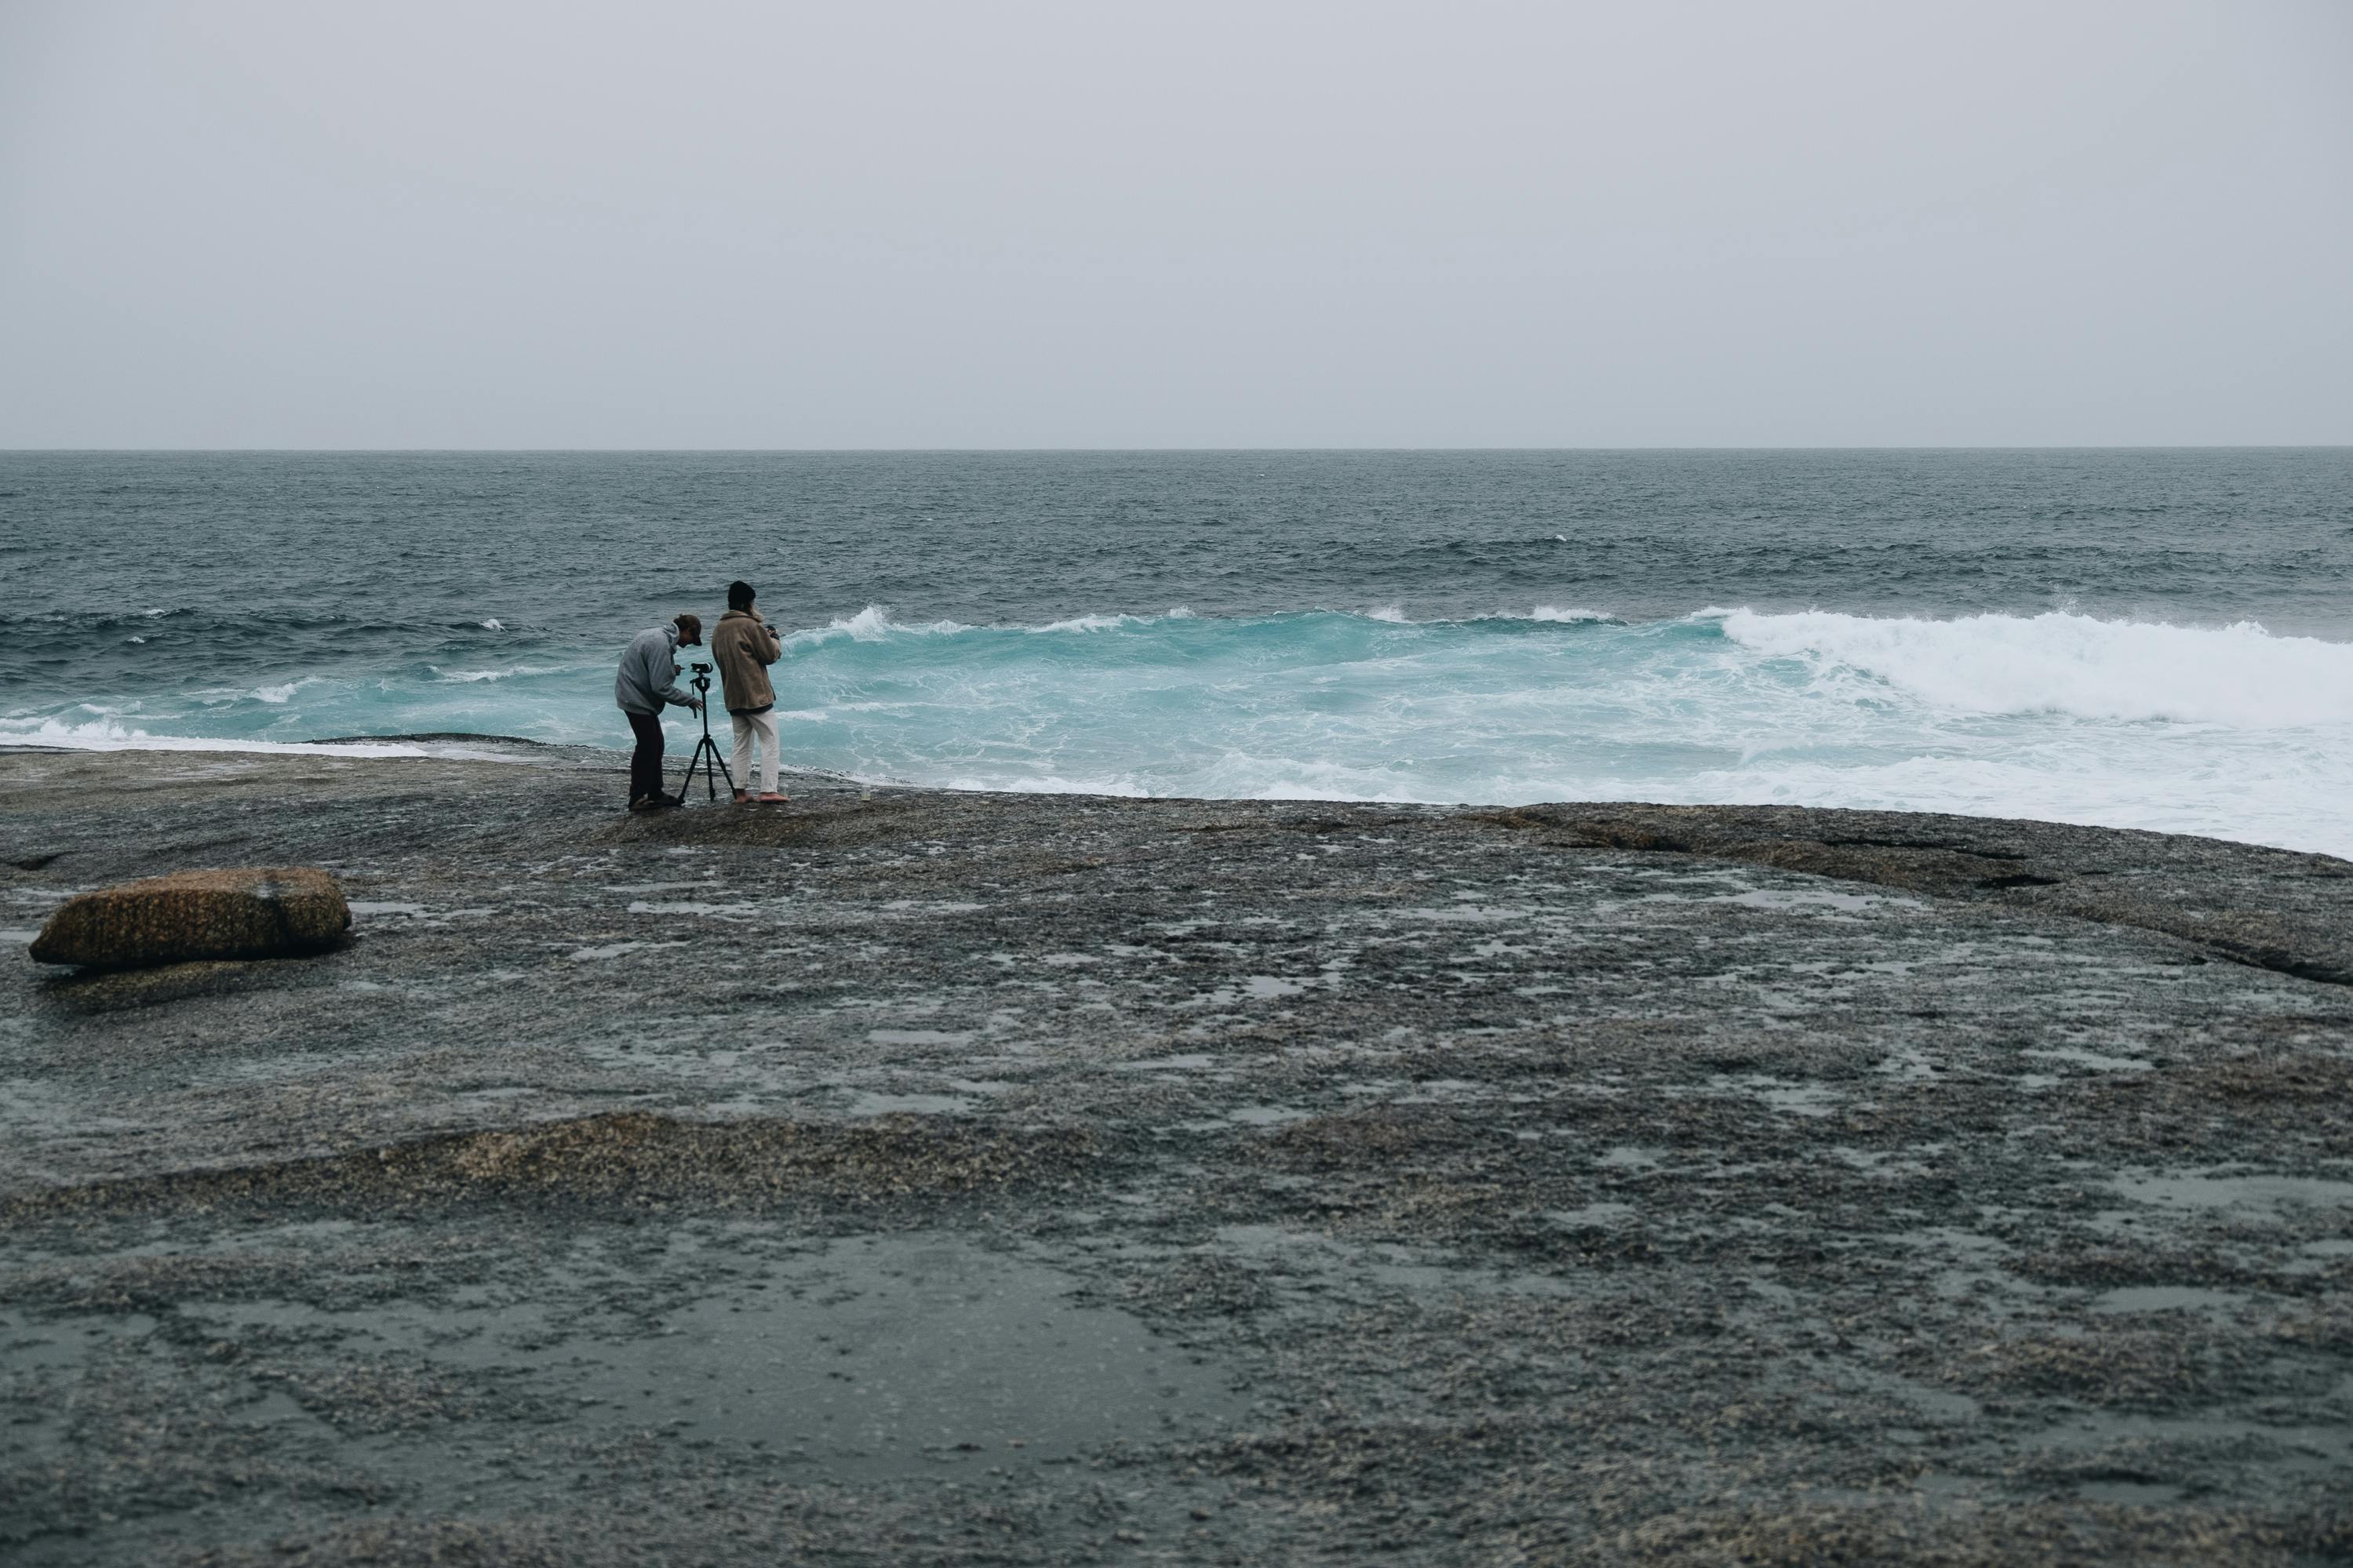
747	725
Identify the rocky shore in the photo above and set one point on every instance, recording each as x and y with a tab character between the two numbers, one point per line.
934	1177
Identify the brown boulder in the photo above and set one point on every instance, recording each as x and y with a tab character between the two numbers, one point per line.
259	912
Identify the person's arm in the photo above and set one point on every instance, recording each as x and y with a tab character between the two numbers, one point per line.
667	675
775	644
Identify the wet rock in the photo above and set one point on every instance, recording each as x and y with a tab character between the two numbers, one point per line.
89	992
1583	1183
259	912
2269	909
626	1159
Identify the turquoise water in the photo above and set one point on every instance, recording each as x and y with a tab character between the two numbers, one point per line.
2152	640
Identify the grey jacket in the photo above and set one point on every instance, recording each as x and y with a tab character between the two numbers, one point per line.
649	674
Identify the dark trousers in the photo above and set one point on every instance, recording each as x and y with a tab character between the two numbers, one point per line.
645	762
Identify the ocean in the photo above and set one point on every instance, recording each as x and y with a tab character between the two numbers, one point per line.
2158	639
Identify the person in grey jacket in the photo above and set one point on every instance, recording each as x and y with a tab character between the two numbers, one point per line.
648	682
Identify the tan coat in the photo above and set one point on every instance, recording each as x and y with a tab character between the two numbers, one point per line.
743	648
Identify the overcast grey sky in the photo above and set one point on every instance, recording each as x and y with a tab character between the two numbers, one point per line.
1093	225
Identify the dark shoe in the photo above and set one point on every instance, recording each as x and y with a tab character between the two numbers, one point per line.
644	802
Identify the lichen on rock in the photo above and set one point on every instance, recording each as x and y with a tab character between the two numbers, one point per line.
280	911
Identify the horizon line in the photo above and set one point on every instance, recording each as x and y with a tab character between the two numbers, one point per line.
1083	451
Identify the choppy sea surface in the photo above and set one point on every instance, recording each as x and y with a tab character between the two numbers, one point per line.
2158	639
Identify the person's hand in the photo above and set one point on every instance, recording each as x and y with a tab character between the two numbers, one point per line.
695	703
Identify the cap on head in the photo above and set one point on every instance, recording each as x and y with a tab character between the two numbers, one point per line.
689	628
739	595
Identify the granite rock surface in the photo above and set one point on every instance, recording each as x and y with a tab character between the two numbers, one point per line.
283	911
965	1178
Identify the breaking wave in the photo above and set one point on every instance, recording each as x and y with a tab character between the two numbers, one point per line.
2225	730
2058	663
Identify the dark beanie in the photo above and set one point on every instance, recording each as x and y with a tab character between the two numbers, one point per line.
739	595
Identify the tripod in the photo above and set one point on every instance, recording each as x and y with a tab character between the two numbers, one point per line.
706	751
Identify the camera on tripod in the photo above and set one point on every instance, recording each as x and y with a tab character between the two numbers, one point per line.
706	750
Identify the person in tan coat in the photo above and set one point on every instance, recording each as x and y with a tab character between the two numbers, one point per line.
743	646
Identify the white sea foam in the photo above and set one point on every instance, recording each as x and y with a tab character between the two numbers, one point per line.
507	674
109	735
2073	664
872	623
875	624
1092	623
1088	624
493	624
1023	783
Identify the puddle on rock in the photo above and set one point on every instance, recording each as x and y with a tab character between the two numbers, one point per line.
2075	1055
619	950
1267	1115
2131	1494
1798	1098
1812	900
2208	1189
865	1357
1345	1268
1271	987
693	907
1252	988
918	1037
2275	1451
2167	1298
887	1355
30	1347
868	1102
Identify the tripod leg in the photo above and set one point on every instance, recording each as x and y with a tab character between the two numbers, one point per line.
706	757
708	754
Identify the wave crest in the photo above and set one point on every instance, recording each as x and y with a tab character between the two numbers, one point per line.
2065	663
